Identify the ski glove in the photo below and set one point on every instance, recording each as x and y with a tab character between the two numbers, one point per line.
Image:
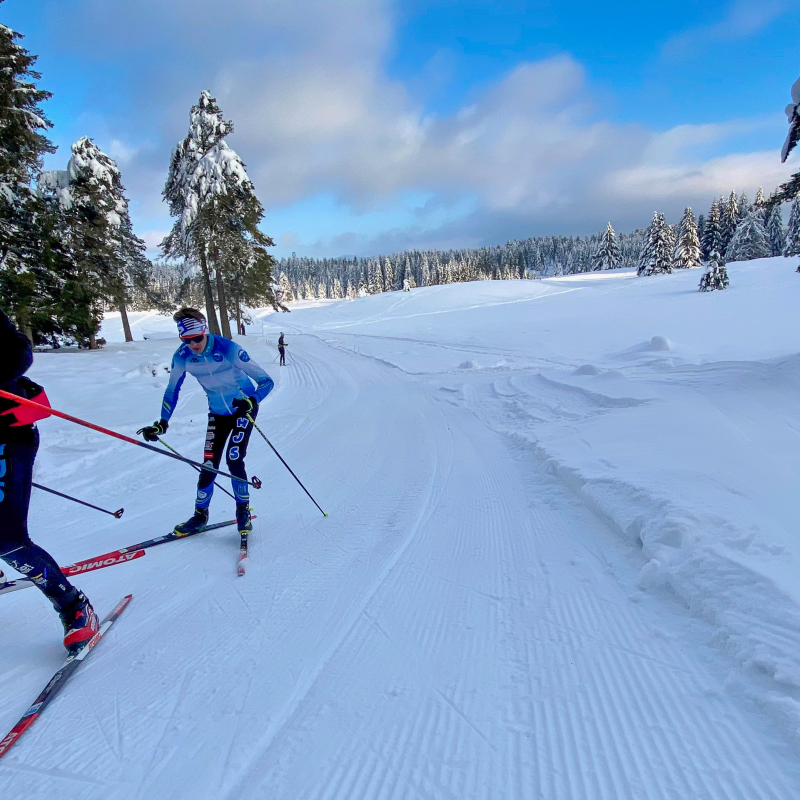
152	432
245	405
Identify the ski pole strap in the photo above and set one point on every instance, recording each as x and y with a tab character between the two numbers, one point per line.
255	482
286	465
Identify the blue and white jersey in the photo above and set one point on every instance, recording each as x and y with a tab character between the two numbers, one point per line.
222	369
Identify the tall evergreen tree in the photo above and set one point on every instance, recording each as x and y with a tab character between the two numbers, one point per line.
212	197
793	231
656	256
375	278
25	248
409	282
712	238
285	286
105	247
750	239
687	250
388	275
729	219
744	208
607	254
776	234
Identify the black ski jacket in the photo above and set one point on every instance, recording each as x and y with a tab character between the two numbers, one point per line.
16	357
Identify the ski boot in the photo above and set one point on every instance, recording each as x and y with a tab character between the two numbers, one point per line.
196	523
243	522
79	621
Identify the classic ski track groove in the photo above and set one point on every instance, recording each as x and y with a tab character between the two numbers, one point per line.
352	618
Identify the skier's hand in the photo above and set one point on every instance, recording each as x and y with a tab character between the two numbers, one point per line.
152	432
245	405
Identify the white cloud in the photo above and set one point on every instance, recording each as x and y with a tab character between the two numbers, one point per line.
744	18
315	112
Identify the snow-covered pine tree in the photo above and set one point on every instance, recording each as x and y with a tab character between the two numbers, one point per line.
716	275
776	233
607	254
687	250
102	238
750	239
29	264
286	295
760	201
426	273
212	197
656	256
389	281
744	207
792	247
646	253
729	219
375	285
447	272
711	240
408	277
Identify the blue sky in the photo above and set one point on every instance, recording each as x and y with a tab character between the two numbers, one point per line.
373	126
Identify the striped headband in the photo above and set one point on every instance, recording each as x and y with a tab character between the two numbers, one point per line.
189	326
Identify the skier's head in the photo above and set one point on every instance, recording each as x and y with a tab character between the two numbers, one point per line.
192	328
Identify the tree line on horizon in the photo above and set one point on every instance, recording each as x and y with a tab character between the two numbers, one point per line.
733	230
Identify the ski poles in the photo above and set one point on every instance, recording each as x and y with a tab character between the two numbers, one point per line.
285	464
116	514
255	482
196	468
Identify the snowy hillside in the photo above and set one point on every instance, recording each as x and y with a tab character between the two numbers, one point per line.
561	559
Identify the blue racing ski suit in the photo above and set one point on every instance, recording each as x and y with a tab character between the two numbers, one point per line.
226	372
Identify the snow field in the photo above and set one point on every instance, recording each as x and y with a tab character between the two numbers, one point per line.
550	569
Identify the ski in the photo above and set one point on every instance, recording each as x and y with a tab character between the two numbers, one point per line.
62	675
243	553
167	537
79	567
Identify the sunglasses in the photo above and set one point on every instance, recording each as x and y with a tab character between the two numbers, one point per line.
194	339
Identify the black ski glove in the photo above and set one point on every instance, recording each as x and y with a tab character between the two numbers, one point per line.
245	405
152	432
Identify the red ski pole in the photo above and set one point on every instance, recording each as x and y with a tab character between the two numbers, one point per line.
47	411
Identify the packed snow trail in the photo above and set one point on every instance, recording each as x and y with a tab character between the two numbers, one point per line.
460	627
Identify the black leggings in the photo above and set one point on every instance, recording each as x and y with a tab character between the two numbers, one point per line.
220	427
16	548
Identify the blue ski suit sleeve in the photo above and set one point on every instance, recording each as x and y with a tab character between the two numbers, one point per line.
264	384
177	375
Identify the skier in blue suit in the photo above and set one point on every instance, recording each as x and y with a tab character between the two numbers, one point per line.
235	385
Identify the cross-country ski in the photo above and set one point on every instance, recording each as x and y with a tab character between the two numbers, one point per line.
59	679
79	567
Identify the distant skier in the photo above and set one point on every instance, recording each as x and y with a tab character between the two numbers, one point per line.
282	349
225	371
19	441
